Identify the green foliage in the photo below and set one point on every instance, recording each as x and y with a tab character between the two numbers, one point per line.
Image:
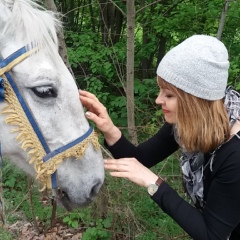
14	188
15	191
95	229
100	67
86	52
99	231
71	220
4	235
13	178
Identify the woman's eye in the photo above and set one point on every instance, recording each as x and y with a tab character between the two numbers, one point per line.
45	91
169	95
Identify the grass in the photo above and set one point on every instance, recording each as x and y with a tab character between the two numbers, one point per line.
122	210
4	234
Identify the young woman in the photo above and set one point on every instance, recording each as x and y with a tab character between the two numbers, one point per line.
202	118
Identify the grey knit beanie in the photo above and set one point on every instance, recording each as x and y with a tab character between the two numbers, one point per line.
199	66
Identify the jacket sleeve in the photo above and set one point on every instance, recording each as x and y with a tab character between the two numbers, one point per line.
149	153
221	214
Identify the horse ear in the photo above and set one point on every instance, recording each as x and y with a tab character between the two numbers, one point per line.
8	4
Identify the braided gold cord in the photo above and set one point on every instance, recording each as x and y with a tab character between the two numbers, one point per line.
11	117
77	151
30	142
17	60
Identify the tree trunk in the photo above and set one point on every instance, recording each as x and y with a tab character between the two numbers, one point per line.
130	71
104	21
161	48
62	46
111	22
222	20
91	15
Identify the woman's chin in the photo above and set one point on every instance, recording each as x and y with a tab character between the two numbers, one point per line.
170	120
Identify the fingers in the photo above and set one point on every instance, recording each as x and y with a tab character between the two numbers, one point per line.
97	113
119	162
100	122
118	168
88	95
131	169
91	102
117	165
121	165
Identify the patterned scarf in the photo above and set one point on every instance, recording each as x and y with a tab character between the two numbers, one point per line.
192	163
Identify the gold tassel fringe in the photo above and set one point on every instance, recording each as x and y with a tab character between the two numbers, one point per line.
30	142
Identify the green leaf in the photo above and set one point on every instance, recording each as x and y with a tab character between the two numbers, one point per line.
66	219
75	224
107	223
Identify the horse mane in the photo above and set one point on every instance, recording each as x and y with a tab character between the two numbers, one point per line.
31	23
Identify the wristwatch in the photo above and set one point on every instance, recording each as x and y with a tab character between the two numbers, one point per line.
152	188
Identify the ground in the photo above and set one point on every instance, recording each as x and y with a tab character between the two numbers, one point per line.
24	230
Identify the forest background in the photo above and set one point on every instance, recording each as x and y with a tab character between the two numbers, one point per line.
113	48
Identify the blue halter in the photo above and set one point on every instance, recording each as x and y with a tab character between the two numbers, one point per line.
49	154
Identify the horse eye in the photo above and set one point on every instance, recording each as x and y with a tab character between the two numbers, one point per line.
45	92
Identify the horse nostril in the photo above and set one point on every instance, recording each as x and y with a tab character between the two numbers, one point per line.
94	190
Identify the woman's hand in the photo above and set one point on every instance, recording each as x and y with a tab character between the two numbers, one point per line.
98	114
131	169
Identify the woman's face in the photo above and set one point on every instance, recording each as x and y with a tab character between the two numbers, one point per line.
168	101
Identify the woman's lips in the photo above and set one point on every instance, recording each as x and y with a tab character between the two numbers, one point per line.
165	111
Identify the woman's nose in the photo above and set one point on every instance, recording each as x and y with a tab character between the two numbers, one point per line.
159	100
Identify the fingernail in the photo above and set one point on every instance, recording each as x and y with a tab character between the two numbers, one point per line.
88	114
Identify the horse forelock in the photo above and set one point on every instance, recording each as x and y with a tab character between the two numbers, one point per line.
31	23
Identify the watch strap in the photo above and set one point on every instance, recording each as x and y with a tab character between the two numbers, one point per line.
159	181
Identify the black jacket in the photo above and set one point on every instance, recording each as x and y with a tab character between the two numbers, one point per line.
221	215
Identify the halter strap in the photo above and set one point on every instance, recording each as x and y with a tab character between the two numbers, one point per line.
14	59
62	149
5	66
11	61
27	112
69	145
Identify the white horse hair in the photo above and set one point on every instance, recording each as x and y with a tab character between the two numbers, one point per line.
52	96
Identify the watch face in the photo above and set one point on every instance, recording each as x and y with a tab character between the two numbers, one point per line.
152	189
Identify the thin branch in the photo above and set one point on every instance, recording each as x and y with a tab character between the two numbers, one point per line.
222	20
123	13
30	186
23	199
139	10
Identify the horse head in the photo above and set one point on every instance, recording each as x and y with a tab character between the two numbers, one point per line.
51	95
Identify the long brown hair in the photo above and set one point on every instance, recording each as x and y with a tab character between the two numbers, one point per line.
201	125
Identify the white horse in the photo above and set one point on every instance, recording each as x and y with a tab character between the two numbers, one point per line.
51	95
